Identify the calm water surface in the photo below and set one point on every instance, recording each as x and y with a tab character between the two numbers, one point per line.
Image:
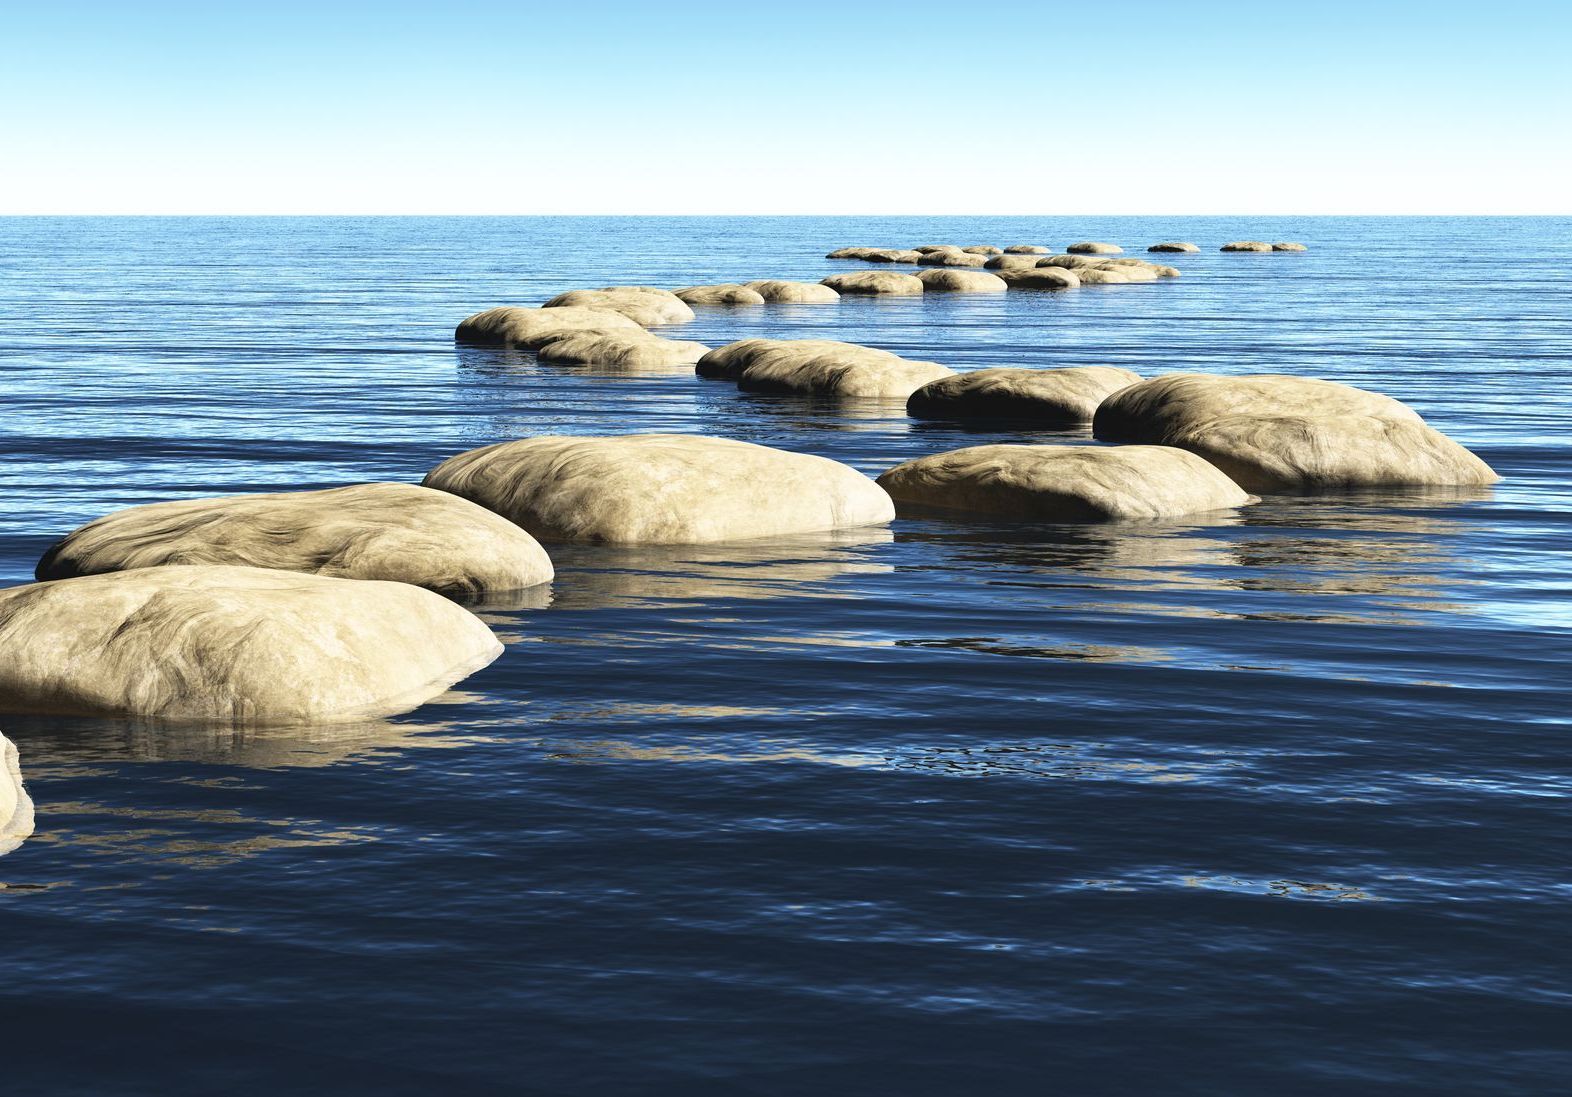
1268	801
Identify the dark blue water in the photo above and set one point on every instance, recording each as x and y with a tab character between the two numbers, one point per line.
1271	803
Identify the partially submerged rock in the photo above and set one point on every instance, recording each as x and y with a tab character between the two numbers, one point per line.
892	255
16	807
1174	247
1026	249
1092	247
777	292
725	293
1286	246
232	644
951	259
1063	483
818	367
527	328
646	306
874	283
1053	397
1070	262
983	249
1246	245
1098	276
1277	433
1011	262
1040	278
661	489
622	351
395	532
853	253
960	281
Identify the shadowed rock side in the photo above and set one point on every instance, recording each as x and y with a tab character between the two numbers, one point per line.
960	281
1092	247
1246	245
396	532
661	489
647	306
232	644
527	328
886	283
1063	483
726	293
1277	433
1026	249
777	292
1174	247
1288	246
624	351
1052	397
818	366
1039	278
16	807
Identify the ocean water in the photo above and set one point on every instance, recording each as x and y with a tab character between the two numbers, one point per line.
1267	801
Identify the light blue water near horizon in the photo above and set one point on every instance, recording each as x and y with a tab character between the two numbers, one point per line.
1274	799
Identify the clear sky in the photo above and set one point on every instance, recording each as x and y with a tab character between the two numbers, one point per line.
690	106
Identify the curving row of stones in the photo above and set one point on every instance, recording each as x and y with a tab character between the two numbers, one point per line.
329	605
986	255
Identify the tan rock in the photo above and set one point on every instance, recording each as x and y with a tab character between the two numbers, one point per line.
1027	249
1246	245
924	249
1011	262
1052	397
893	255
983	249
661	489
1063	483
233	645
853	253
1069	262
1041	278
777	292
818	367
1289	247
960	281
623	352
1098	276
1144	272
951	259
1174	247
1277	433
874	283
1090	247
16	807
528	328
726	293
395	532
646	306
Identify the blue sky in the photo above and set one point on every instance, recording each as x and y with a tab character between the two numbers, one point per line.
802	107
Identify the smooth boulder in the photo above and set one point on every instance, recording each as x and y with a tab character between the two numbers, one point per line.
725	293
622	351
1093	247
1184	247
1063	483
1098	276
527	327
1277	433
1026	249
646	306
661	489
16	807
983	249
778	292
1069	262
951	259
1041	278
820	367
1246	245
1288	246
892	255
960	281
232	644
1011	262
395	532
1053	397
874	283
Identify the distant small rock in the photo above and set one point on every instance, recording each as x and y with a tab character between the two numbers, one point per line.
1246	245
1092	247
1174	247
1289	247
1027	249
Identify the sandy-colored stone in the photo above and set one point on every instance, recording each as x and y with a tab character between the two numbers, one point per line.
951	259
874	283
1011	262
1143	272
1063	483
1246	245
1277	433
1288	246
1053	397
894	255
16	807
646	306
1041	278
818	367
945	280
395	532
1069	262
924	249
1027	249
1092	247
623	352
853	252
661	489
233	645
777	292
983	249
725	293
527	328
1098	276
1174	247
